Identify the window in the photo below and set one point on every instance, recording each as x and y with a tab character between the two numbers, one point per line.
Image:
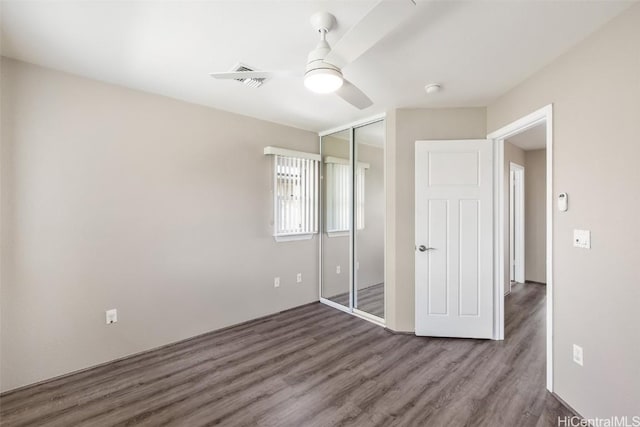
337	171
295	194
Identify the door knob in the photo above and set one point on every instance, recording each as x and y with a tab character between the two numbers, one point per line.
423	248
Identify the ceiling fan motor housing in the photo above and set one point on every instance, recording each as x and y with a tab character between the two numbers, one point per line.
322	22
315	60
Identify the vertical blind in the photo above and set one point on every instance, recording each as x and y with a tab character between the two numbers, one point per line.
338	185
296	196
360	171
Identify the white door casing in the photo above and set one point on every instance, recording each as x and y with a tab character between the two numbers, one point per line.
454	228
542	115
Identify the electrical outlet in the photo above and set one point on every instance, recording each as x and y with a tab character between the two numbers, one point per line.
337	269
111	316
577	354
276	282
299	278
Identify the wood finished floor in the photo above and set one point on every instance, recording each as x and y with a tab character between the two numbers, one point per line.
369	300
312	366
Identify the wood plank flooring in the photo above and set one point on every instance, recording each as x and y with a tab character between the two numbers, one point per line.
312	366
369	299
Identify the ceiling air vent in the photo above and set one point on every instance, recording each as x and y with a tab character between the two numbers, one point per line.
250	81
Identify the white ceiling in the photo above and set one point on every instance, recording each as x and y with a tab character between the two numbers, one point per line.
534	138
476	49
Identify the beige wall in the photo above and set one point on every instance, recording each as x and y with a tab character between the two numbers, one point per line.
113	198
516	155
535	214
595	91
404	128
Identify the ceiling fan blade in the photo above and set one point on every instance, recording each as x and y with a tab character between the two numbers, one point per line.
377	23
354	96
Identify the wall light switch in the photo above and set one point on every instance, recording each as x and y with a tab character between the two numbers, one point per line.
276	282
577	354
299	278
582	239
111	316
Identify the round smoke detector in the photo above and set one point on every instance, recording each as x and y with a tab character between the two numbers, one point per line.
432	88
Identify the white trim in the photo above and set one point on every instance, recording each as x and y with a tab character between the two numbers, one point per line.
356	124
368	316
498	240
549	238
519	234
293	237
277	151
320	221
356	313
342	233
336	160
335	305
341	161
544	114
522	124
352	220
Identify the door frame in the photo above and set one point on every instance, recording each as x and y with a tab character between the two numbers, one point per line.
516	234
542	115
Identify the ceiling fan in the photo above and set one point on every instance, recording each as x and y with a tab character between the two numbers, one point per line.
323	73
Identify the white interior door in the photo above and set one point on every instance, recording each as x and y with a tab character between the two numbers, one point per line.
516	226
454	238
512	253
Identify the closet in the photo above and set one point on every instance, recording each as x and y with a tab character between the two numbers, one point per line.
352	204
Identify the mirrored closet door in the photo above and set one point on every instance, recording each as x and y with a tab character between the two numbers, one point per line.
369	218
336	217
352	220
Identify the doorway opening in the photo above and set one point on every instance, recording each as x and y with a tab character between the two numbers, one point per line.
528	143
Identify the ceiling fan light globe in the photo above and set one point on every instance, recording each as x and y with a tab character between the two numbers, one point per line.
324	80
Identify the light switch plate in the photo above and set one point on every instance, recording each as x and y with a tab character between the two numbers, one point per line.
582	239
578	356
